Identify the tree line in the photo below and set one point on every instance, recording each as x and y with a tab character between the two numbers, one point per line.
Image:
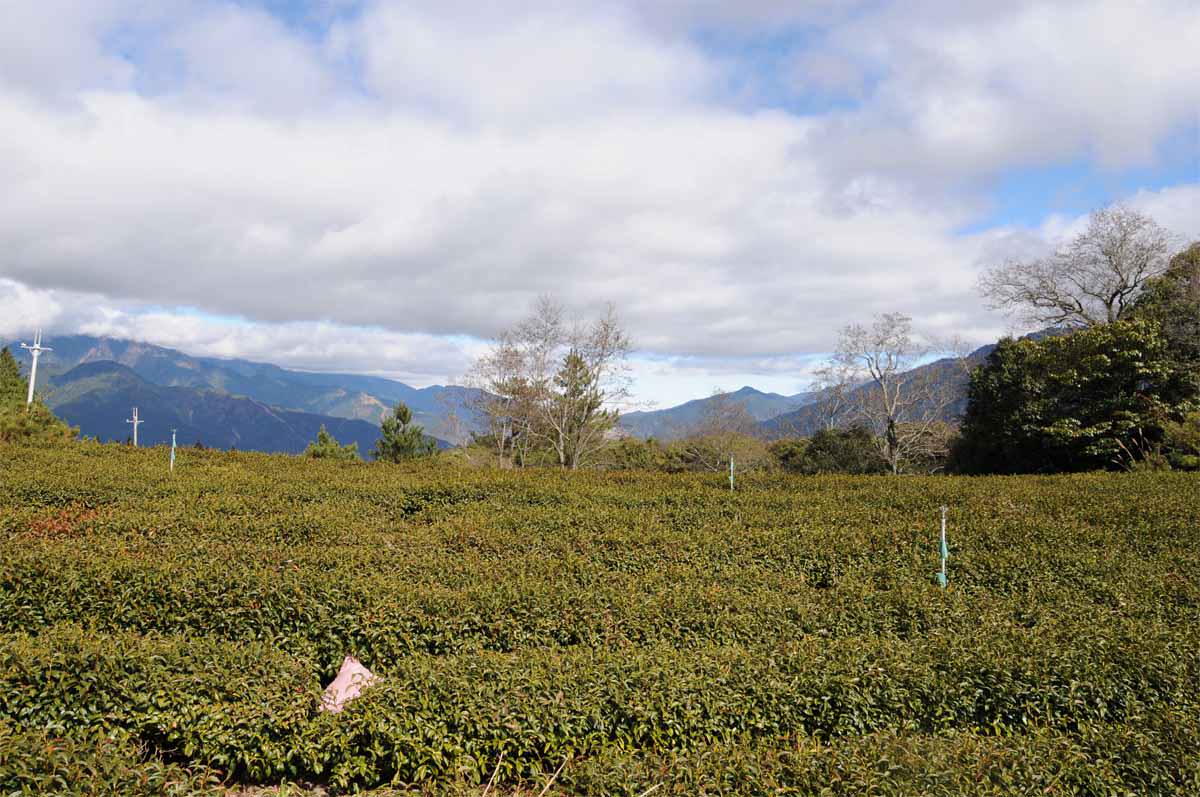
1112	380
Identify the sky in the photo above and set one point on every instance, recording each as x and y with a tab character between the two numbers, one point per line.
378	186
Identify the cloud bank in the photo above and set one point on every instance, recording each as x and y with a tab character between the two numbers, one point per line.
400	180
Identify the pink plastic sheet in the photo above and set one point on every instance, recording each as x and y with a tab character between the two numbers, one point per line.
351	679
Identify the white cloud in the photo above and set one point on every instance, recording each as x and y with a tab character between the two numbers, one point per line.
513	66
23	309
964	91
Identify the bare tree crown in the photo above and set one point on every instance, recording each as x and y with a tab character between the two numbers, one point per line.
1093	279
553	384
905	408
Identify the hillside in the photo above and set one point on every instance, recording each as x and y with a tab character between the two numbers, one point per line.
97	397
808	419
444	411
655	634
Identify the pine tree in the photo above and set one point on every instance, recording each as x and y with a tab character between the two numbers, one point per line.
577	410
12	385
327	447
402	439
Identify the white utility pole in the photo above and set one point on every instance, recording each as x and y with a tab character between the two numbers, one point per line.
36	351
136	422
172	466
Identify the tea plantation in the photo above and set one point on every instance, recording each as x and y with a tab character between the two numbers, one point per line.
634	633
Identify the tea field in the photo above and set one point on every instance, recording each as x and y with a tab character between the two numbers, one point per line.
590	634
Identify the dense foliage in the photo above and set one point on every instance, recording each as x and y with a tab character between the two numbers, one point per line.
326	446
1172	302
401	439
1096	398
652	630
850	450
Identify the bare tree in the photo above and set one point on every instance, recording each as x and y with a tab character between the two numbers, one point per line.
500	375
834	384
590	386
1093	279
901	405
554	385
722	431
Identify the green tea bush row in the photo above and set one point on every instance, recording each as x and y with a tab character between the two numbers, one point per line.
1153	756
251	712
235	708
92	763
655	630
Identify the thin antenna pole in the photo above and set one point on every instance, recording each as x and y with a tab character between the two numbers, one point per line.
35	351
945	552
136	422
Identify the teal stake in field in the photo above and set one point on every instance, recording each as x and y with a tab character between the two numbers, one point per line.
945	551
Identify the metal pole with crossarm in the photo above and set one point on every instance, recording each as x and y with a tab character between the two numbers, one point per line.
36	351
136	422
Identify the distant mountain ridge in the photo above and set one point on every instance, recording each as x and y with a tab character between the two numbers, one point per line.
97	397
444	411
679	421
92	382
798	415
807	420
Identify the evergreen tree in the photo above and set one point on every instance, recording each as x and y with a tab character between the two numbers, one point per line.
1172	301
1089	400
13	386
577	410
402	439
327	447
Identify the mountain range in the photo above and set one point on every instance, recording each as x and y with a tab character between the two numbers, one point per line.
808	419
93	382
676	422
226	403
97	397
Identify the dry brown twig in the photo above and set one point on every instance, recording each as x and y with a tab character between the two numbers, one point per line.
554	777
492	780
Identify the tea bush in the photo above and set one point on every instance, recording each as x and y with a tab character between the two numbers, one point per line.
652	630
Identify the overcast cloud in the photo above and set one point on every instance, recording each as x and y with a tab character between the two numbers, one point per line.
377	186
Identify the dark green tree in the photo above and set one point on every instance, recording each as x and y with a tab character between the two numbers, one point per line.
402	439
577	418
850	450
19	421
1089	400
327	447
1182	442
1173	302
12	384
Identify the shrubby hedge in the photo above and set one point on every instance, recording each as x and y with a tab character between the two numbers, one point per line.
655	630
92	763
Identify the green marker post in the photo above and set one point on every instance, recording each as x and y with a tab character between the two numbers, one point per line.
945	551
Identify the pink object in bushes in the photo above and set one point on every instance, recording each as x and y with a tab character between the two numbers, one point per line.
351	679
